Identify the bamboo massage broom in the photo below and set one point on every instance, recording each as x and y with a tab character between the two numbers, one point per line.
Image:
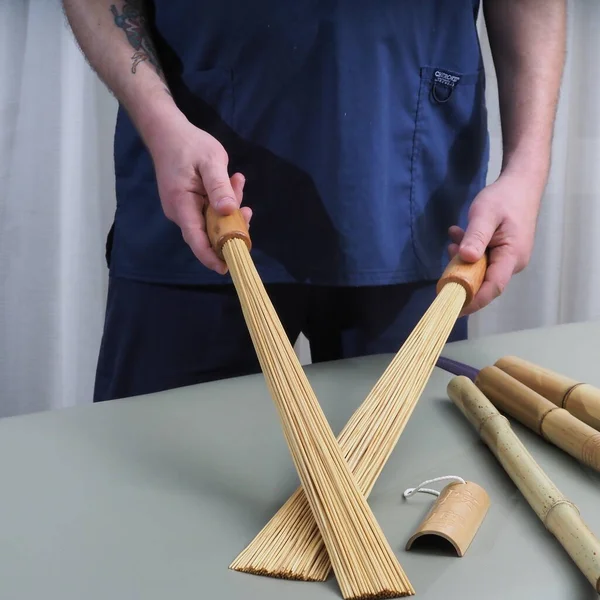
557	513
363	561
290	545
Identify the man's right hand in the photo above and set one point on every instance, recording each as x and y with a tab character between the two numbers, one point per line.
190	165
191	169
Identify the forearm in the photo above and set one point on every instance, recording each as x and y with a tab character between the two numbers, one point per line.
113	36
527	39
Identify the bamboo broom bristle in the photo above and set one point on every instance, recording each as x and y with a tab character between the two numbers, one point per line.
363	561
289	546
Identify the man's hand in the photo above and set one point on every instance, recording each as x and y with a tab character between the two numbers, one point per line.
191	169
503	216
502	221
190	165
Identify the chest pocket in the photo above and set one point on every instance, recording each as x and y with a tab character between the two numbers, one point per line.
449	159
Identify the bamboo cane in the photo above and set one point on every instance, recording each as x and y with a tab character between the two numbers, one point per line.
560	516
582	400
554	424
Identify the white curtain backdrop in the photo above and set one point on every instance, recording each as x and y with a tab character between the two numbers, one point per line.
57	200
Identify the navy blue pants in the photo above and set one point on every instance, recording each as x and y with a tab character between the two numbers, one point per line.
159	337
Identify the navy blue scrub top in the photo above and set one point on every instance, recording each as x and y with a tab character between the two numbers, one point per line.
361	129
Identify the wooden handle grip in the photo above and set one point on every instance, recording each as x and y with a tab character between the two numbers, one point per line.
222	229
469	275
582	400
560	516
554	424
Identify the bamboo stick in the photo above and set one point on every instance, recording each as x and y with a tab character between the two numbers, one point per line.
581	399
560	516
362	559
554	424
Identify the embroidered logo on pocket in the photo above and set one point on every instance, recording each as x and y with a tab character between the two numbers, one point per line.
446	78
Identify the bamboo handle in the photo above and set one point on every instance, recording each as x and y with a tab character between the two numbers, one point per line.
582	400
557	513
469	275
222	229
554	424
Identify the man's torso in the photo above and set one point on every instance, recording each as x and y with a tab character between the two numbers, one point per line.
360	127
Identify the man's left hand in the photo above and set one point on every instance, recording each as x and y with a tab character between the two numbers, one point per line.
502	220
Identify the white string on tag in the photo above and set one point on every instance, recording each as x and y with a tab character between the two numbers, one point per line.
411	491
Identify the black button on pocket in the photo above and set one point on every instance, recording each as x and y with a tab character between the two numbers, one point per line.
443	85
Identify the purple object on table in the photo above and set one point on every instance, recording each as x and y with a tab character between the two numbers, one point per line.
456	368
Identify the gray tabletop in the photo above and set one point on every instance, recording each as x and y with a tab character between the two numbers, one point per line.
152	497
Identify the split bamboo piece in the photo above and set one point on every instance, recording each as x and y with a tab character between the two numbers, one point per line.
554	424
560	516
363	561
582	400
456	516
290	546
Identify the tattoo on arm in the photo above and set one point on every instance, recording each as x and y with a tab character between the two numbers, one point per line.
132	20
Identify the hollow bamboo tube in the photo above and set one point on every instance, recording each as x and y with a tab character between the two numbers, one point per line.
289	546
581	399
560	516
554	424
362	559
